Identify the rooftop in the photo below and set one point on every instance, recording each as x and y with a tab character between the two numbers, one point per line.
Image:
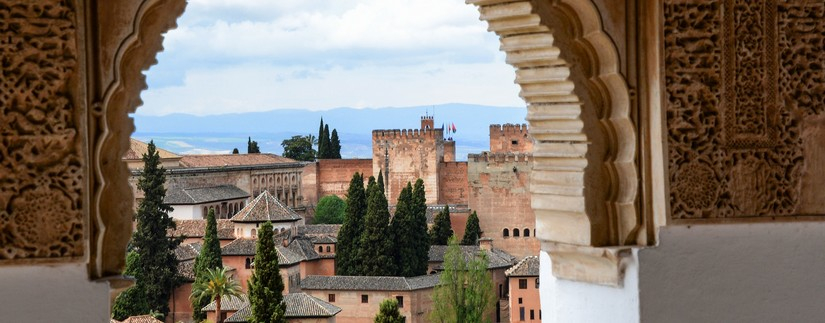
201	195
197	228
230	303
232	160
188	251
527	267
298	305
496	258
296	252
381	283
141	319
264	208
139	148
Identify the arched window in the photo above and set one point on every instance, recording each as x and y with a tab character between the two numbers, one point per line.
248	263
327	248
205	212
320	249
526	232
506	232
515	232
254	233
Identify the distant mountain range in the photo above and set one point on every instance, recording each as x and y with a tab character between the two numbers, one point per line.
190	134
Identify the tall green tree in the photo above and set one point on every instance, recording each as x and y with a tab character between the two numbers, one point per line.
465	289
350	233
299	148
381	182
208	259
218	285
322	143
252	147
132	301
335	145
418	236
442	227
330	210
327	153
375	254
157	270
388	312
472	231
266	286
409	237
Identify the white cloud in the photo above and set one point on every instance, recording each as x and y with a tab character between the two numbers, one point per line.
178	143
253	55
201	151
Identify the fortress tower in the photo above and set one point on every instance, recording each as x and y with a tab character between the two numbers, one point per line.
510	138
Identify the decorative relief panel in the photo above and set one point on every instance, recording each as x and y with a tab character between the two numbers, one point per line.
741	78
41	168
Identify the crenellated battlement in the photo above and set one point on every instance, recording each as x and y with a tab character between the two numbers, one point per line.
386	134
508	129
454	165
500	158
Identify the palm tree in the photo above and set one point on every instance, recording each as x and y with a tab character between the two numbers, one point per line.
218	284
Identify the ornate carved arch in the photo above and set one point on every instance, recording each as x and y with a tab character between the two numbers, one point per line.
116	93
584	182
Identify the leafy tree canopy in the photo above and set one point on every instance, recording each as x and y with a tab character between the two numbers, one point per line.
330	210
465	289
299	148
472	231
388	312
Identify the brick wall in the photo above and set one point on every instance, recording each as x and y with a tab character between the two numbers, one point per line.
334	175
499	193
452	181
510	138
411	154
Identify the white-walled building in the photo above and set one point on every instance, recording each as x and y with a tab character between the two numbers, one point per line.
194	203
265	208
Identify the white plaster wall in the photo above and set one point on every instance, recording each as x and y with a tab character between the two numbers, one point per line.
769	272
51	293
186	212
569	301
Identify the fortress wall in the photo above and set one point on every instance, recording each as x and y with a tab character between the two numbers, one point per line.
499	192
408	155
453	185
510	138
334	175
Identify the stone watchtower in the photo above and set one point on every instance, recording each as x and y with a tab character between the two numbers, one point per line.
510	138
404	155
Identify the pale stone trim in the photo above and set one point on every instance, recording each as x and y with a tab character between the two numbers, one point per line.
603	265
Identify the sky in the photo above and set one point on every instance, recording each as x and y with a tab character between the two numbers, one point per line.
231	56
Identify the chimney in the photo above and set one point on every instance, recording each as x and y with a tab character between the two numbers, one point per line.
485	243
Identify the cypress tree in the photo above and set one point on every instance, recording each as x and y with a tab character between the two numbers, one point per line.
209	258
157	270
375	256
472	231
132	301
418	231
327	143
321	143
388	312
350	232
381	182
442	228
335	145
266	286
402	232
252	147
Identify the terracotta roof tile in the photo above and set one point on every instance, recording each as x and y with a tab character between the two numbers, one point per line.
188	251
496	258
138	148
298	305
142	319
200	195
232	160
290	255
186	269
197	228
264	208
529	266
381	283
230	303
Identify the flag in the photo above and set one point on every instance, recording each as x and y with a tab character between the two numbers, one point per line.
453	126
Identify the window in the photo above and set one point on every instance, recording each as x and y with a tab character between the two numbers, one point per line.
506	232
248	263
526	232
254	233
522	283
514	142
331	298
320	249
365	298
537	283
515	232
328	249
400	300
500	291
532	314
520	300
521	313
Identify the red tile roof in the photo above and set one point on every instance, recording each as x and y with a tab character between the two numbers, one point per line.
232	160
138	148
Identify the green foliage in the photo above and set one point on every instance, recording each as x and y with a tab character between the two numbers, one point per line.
418	237
410	233
442	228
209	258
327	153
157	269
132	301
375	255
328	147
472	231
388	312
350	233
465	290
235	151
218	285
299	148
335	145
381	181
330	210
266	286
252	147
322	141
